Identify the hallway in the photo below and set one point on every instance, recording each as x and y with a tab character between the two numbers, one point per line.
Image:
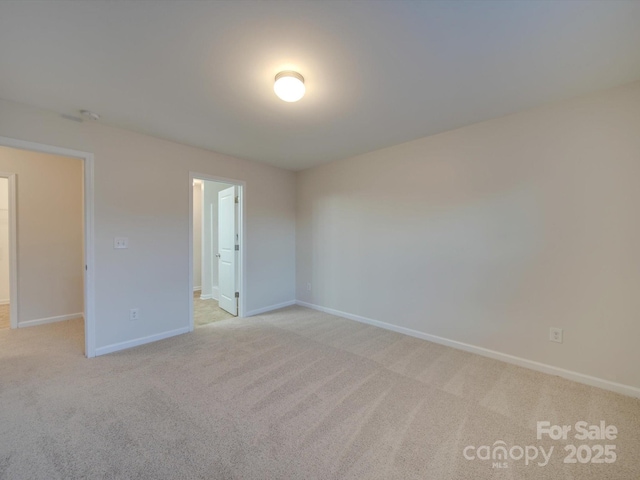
207	311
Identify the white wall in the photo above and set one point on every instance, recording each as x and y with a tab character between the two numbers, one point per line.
4	241
197	235
142	191
50	233
210	238
491	234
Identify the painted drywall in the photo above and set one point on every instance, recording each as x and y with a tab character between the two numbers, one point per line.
491	234
197	235
142	191
4	241
50	233
210	237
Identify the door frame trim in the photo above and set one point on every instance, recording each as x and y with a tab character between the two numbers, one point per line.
13	244
89	236
242	284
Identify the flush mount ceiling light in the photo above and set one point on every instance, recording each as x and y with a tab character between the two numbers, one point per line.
289	86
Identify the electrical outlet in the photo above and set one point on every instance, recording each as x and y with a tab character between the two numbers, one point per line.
134	314
555	334
308	286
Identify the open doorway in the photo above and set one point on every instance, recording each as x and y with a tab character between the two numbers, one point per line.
41	241
46	198
216	232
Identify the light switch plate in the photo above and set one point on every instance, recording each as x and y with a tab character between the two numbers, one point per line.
121	242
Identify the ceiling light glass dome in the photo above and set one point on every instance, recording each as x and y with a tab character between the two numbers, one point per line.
289	86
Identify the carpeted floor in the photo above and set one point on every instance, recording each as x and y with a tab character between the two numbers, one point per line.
293	394
207	311
5	321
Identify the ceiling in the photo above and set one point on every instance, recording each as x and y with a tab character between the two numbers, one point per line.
377	73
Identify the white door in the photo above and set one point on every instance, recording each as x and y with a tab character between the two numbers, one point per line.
227	250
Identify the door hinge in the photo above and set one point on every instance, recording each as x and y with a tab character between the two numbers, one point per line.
237	199
237	248
237	294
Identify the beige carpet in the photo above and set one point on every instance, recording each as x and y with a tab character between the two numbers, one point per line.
207	311
294	394
5	318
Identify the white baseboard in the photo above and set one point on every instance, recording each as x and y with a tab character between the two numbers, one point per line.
485	352
195	289
258	311
115	347
42	321
214	295
4	302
